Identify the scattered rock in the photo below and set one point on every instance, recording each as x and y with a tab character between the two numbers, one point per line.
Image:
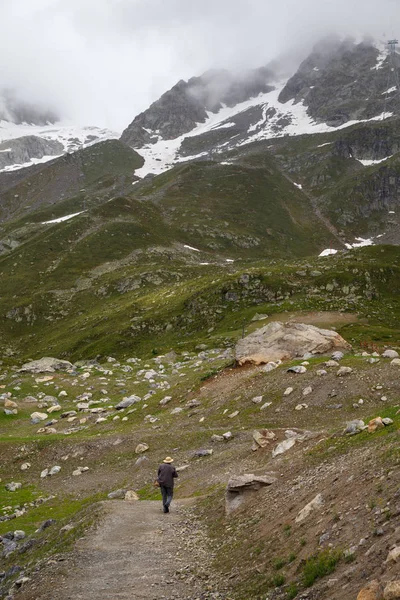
288	391
307	391
257	399
25	466
394	555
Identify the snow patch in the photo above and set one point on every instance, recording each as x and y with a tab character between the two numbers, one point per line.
390	90
191	248
360	243
62	219
369	163
328	252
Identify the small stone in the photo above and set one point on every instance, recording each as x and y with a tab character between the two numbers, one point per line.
307	391
394	555
234	414
322	372
264	406
395	362
257	399
44	473
288	391
54	470
19	535
301	406
343	371
25	466
227	436
387	421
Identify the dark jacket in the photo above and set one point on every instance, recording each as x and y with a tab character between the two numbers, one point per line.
166	475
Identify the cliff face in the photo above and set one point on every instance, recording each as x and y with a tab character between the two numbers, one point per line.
179	110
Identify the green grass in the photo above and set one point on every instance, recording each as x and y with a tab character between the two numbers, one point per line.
318	566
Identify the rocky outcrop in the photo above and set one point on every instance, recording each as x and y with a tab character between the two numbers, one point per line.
22	150
284	341
180	109
241	486
341	81
46	365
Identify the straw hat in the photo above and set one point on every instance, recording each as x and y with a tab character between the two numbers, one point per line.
168	460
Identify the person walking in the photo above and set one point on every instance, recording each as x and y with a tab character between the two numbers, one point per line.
165	478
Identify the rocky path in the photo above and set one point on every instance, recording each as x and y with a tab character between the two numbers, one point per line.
139	553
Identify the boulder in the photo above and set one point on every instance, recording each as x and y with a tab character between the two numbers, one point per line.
10	404
315	504
283	447
37	417
46	365
394	555
390	354
392	590
285	341
354	427
126	402
54	408
241	486
140	448
117	494
343	371
375	424
13	486
131	496
298	369
372	591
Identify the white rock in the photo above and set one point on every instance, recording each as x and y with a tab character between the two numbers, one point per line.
55	470
307	391
315	504
44	473
288	391
344	371
257	399
301	406
395	362
283	447
390	354
25	466
265	405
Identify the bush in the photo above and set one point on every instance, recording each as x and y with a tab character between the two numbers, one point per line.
321	564
292	591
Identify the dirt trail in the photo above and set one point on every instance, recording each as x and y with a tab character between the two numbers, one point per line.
135	553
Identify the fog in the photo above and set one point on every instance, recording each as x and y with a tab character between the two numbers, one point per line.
101	62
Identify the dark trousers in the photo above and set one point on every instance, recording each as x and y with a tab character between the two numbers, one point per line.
167	493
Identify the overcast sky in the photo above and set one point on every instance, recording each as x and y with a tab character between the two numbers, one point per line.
101	62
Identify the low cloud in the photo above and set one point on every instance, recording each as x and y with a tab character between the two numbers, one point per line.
104	61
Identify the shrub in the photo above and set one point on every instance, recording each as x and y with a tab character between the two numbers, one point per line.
321	564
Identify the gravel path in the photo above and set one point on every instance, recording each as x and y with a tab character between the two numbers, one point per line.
139	553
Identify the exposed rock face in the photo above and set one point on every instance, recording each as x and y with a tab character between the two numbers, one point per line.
238	487
23	149
184	106
284	341
46	365
341	81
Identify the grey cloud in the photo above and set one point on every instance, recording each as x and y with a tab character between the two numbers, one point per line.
103	61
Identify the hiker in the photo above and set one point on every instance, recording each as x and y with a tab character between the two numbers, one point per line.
165	478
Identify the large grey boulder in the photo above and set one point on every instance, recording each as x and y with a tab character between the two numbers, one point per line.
46	364
127	402
284	341
241	486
